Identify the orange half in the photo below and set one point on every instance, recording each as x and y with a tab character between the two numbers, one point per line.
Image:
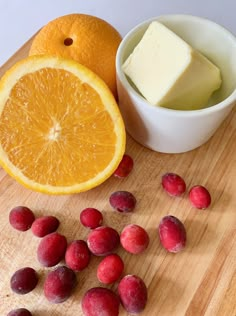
61	131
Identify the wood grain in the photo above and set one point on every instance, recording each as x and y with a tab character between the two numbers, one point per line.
199	281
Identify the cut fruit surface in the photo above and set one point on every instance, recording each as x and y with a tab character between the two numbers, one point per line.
60	127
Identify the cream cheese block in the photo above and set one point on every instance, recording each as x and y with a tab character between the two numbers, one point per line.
168	72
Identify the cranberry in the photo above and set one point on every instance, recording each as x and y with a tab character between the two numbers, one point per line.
19	312
122	201
100	301
200	197
91	217
103	240
125	167
59	284
21	218
77	255
134	239
110	269
173	184
172	233
45	225
133	294
24	280
51	249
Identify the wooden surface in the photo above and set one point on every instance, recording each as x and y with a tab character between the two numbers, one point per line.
201	280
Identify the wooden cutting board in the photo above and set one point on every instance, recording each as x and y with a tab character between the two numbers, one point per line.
199	281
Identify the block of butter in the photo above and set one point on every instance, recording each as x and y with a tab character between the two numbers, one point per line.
168	72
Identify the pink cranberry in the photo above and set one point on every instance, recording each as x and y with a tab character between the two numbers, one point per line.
134	239
172	233
100	301
125	167
45	225
77	255
173	184
133	294
122	201
200	197
21	218
110	269
91	217
103	240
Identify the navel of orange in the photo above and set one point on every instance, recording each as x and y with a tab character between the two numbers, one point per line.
60	127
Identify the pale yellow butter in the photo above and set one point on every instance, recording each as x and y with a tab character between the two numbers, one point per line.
170	73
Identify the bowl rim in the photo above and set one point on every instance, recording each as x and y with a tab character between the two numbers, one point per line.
123	79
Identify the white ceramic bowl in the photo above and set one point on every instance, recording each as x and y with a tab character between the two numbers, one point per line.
176	131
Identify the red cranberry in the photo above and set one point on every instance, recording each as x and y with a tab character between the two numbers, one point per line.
200	197
19	312
125	167
134	239
122	201
51	249
172	233
59	284
24	280
100	301
91	217
173	184
110	269
103	240
45	225
77	255
133	294
21	218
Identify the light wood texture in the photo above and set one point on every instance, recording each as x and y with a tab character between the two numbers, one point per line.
199	281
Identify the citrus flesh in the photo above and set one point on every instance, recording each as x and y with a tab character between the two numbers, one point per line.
87	39
60	127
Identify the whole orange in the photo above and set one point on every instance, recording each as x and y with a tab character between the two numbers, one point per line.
87	39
